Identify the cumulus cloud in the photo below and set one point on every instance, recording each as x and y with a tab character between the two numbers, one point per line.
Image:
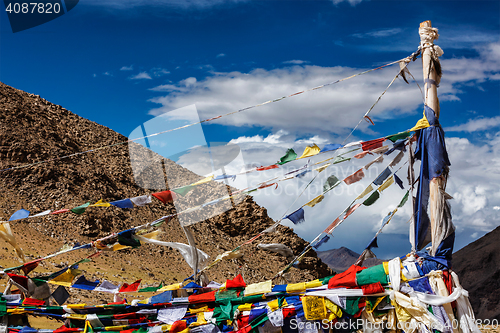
141	76
220	55
295	62
351	2
183	4
127	68
378	33
473	125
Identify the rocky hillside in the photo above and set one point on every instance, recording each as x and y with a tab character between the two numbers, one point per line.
33	129
341	259
478	266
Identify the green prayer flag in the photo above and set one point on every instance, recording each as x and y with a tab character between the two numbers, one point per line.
330	183
149	289
3	307
80	209
371	275
141	330
339	159
399	136
403	201
371	199
326	279
183	190
289	156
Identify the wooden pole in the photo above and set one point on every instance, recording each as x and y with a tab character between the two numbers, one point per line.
430	75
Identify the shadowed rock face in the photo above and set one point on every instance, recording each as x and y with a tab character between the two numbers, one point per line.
341	259
32	129
478	266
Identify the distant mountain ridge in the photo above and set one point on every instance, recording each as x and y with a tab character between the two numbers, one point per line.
342	258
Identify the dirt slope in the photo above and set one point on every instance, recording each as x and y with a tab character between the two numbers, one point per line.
478	266
32	129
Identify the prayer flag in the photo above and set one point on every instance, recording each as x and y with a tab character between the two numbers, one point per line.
403	201
60	295
124	203
383	176
396	137
83	283
371	199
386	184
372	144
204	180
330	183
310	151
362	154
290	155
421	123
330	147
100	203
323	167
365	192
259	288
164	297
314	307
274	166
64	210
237	282
224	176
329	229
107	287
20	214
297	216
398	181
315	201
80	209
65	278
322	241
130	288
141	200
355	177
165	196
126	238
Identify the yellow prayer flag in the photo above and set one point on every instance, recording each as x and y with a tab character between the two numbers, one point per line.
259	288
198	309
203	181
296	287
118	247
174	286
65	278
245	307
335	311
365	192
116	328
386	184
200	320
76	306
314	284
76	316
422	123
7	235
314	307
386	267
101	203
323	167
315	201
274	304
310	151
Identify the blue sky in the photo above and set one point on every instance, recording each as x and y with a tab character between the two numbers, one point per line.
120	63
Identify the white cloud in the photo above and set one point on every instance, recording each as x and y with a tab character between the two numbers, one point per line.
295	62
351	2
158	71
378	33
220	55
141	76
183	4
107	74
473	125
94	75
127	68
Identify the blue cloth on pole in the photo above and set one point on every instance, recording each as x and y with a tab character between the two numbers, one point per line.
431	151
422	285
297	216
191	285
382	177
124	203
330	147
373	243
164	297
279	288
322	241
20	214
398	145
83	283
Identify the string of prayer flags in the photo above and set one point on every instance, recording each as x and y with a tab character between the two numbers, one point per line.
20	214
355	177
371	199
332	225
330	183
45	212
330	147
130	288
310	151
141	200
372	144
365	192
382	177
290	155
80	209
165	196
124	203
315	201
351	210
65	278
297	216
64	210
386	184
322	241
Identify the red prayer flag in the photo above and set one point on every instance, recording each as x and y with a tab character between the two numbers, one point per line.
355	177
64	210
130	288
202	298
372	288
242	321
372	144
29	266
178	326
346	279
288	312
332	225
351	210
33	301
64	329
274	166
165	196
363	154
237	282
267	185
19	279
